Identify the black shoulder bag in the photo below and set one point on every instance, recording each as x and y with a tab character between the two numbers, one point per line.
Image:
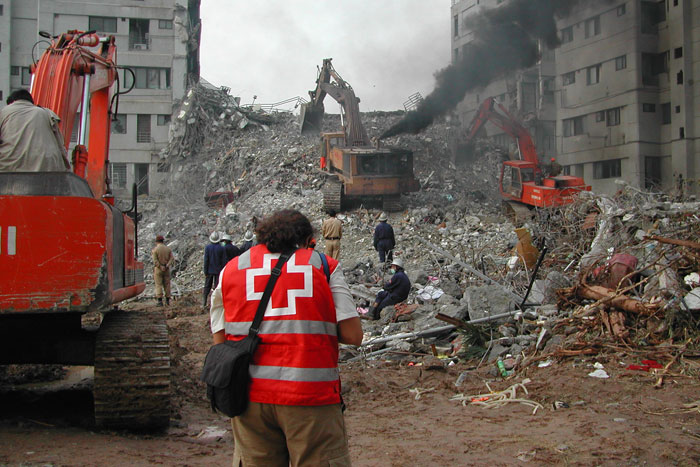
226	366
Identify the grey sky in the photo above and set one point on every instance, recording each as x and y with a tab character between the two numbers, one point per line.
385	49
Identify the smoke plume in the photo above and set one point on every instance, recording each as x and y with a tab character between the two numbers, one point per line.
505	40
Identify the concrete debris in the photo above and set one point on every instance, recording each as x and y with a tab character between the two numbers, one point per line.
455	242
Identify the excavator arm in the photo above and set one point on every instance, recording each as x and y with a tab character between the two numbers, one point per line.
505	121
312	113
70	76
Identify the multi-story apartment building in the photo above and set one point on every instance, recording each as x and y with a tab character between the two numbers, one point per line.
624	99
156	39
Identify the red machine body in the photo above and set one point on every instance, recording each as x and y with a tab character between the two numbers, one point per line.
522	181
63	245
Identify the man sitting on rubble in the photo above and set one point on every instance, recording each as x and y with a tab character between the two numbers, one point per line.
30	140
395	291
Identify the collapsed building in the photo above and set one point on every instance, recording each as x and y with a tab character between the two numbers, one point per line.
622	268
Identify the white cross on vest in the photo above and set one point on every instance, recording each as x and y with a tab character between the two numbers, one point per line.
306	291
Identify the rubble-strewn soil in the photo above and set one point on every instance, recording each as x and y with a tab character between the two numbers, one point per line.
617	421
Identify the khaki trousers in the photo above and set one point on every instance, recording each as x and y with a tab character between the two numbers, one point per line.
162	280
333	249
290	435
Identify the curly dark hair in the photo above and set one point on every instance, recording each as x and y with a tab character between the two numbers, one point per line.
284	230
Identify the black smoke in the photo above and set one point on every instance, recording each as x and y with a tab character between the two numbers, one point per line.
505	40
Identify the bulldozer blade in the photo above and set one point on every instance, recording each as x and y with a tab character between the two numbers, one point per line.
311	119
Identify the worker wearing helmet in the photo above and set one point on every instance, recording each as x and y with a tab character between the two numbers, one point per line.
395	291
248	242
554	167
384	241
231	250
214	262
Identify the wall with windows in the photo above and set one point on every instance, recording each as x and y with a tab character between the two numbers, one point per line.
146	34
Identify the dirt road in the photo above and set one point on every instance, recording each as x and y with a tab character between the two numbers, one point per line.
621	420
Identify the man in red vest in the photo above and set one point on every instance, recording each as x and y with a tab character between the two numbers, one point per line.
295	416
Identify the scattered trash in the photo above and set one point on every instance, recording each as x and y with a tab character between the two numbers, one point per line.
419	392
645	366
430	292
499	398
599	374
556	405
544	364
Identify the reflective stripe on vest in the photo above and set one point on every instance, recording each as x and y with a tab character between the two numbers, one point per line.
283	373
283	327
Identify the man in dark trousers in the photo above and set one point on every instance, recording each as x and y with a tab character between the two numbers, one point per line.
231	250
214	262
384	241
395	291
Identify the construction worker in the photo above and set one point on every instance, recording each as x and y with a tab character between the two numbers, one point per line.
554	167
248	241
332	232
163	260
295	415
214	262
30	140
384	241
231	250
395	291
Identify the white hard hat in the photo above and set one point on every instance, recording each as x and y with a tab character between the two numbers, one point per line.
248	236
215	237
226	237
383	216
398	262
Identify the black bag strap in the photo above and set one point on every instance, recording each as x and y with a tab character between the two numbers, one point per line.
326	268
274	275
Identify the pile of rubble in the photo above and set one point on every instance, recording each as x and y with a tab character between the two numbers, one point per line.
610	271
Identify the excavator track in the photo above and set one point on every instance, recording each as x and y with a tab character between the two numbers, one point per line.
132	371
517	213
333	195
391	203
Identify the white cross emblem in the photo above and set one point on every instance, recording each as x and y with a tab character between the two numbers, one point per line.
292	294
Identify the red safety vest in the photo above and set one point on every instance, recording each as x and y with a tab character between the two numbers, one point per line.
296	362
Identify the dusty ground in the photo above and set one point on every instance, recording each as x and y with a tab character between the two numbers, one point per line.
622	420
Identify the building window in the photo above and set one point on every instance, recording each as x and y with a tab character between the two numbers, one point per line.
592	26
138	34
143	128
652	66
600	116
567	34
573	126
102	24
118	174
679	77
165	24
455	26
568	78
678	52
681	132
652	172
529	97
148	78
119	124
621	62
678	109
593	74
652	14
0	95
14	70
612	116
163	119
666	113
607	169
622	9
163	167
648	107
26	76
2	10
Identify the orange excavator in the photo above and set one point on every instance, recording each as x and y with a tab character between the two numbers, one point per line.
68	255
522	183
357	168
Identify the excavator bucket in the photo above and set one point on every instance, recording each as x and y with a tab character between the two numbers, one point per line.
311	119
